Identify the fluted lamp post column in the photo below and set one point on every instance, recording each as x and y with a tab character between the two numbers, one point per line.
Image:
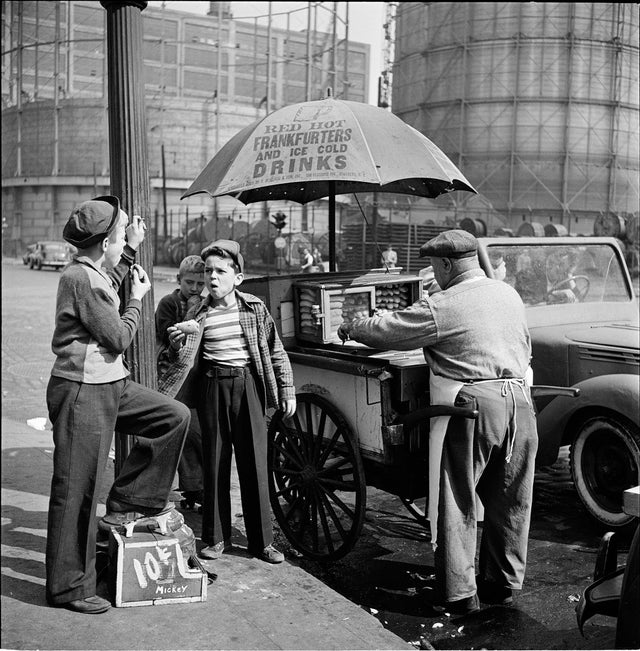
129	170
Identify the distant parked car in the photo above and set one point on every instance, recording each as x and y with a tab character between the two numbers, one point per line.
26	256
50	254
583	319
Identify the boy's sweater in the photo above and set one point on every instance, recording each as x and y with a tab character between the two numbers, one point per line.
171	310
90	334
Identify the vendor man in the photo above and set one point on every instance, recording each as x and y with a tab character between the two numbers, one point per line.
474	336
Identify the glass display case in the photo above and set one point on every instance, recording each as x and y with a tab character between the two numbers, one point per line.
321	307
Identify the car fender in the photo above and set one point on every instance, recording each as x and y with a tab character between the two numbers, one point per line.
613	393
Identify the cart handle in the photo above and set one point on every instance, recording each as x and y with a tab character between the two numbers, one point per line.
539	390
436	410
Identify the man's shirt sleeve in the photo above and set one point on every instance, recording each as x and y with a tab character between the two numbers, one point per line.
407	329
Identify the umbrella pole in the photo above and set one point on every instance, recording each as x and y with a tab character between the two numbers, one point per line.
332	225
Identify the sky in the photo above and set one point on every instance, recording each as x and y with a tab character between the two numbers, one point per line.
365	23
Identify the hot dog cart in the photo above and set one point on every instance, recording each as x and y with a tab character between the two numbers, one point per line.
362	414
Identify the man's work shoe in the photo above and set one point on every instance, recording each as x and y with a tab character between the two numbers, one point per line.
215	551
164	522
89	605
269	555
464	606
493	593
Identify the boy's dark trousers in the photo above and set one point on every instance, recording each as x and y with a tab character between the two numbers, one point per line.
232	417
190	466
84	417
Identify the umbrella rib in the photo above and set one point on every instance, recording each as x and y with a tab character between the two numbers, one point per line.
366	144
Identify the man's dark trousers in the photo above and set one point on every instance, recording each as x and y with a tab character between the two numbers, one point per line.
493	457
84	418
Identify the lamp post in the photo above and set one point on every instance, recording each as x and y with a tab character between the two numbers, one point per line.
130	169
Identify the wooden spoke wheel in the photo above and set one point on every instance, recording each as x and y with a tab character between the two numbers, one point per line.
417	506
316	479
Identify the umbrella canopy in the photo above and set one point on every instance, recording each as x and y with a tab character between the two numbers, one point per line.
310	150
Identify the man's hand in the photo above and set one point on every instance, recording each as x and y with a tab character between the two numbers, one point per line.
343	332
135	232
176	337
140	283
288	407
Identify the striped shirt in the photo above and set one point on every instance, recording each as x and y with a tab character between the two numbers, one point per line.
224	341
268	356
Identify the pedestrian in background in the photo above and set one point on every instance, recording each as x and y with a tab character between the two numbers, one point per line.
90	395
476	342
317	259
306	261
172	309
231	367
389	257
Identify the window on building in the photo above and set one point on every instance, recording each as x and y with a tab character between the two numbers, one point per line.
152	51
159	28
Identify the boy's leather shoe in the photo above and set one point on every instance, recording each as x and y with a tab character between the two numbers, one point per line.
463	606
493	593
88	606
215	551
269	555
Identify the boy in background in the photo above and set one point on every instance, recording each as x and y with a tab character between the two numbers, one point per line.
232	368
172	309
90	395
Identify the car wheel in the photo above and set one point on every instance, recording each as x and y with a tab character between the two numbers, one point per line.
605	461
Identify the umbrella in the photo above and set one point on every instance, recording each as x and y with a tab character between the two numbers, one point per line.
321	148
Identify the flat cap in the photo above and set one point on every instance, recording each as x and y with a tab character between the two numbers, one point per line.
450	244
230	247
91	221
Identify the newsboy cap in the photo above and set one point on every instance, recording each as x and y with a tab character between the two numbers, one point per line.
450	244
230	247
91	221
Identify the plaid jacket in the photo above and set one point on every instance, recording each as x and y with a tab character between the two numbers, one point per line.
268	356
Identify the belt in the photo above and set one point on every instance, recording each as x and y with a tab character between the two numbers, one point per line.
211	370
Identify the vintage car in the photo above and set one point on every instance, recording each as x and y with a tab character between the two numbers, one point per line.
583	318
50	254
26	256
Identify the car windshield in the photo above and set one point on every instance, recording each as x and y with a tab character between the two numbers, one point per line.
55	247
557	273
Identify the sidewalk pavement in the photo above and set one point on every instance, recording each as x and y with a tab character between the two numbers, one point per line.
251	605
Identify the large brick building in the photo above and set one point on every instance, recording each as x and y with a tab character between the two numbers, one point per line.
55	114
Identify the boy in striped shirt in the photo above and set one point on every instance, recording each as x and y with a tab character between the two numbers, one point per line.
231	370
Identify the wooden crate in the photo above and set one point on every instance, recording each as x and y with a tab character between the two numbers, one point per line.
149	569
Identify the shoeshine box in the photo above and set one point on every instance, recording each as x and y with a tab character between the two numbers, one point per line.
149	569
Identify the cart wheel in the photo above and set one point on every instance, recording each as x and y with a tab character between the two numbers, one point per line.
414	493
316	479
418	508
